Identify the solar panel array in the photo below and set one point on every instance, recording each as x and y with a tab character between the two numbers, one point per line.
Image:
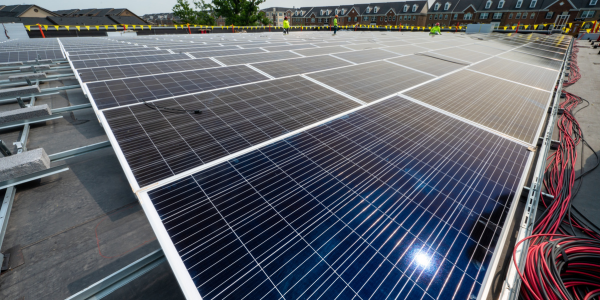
26	50
360	166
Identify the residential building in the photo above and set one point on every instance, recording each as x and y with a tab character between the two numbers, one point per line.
29	14
277	14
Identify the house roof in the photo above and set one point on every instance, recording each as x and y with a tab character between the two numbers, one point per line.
81	20
128	20
278	9
26	21
581	4
14	10
66	12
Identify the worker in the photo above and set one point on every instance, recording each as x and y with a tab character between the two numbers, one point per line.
335	25
286	26
435	30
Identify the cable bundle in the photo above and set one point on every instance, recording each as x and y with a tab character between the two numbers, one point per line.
561	267
574	75
560	263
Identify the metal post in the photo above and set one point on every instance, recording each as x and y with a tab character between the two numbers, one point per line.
7	203
3	149
21	103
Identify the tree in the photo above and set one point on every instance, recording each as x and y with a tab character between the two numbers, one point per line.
240	12
187	15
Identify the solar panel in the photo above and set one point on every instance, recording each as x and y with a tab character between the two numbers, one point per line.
524	73
289	47
392	201
225	52
364	46
138	89
542	53
105	62
159	145
513	109
370	82
427	64
116	54
117	72
30	55
321	51
366	55
258	57
532	59
406	50
300	65
462	54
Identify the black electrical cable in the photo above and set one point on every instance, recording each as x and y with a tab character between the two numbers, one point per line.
454	62
172	110
5	31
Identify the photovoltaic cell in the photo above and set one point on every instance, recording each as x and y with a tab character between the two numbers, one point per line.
366	55
507	107
370	82
527	74
542	53
427	64
406	50
364	46
300	65
158	145
258	57
138	89
93	63
117	72
393	201
462	54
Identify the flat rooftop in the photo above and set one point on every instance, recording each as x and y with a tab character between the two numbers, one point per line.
384	122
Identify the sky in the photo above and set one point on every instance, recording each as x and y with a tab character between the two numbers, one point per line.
141	7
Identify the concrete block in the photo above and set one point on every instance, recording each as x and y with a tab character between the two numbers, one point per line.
19	91
23	164
32	76
10	64
37	67
24	113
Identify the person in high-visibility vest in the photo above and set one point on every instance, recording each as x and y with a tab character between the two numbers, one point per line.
435	30
335	25
286	26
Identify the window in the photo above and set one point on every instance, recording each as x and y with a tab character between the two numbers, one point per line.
593	2
587	14
355	19
414	9
373	19
430	17
524	16
455	16
445	17
312	20
336	11
405	8
483	16
365	18
497	16
533	3
510	16
549	15
280	14
321	13
437	6
368	9
394	18
532	16
414	18
405	17
501	4
447	6
488	4
349	19
518	16
468	16
376	9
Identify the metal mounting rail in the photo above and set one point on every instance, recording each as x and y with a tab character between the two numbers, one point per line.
5	209
44	92
29	121
122	277
78	151
71	108
512	283
32	176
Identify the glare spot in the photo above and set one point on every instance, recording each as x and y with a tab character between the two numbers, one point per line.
422	259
